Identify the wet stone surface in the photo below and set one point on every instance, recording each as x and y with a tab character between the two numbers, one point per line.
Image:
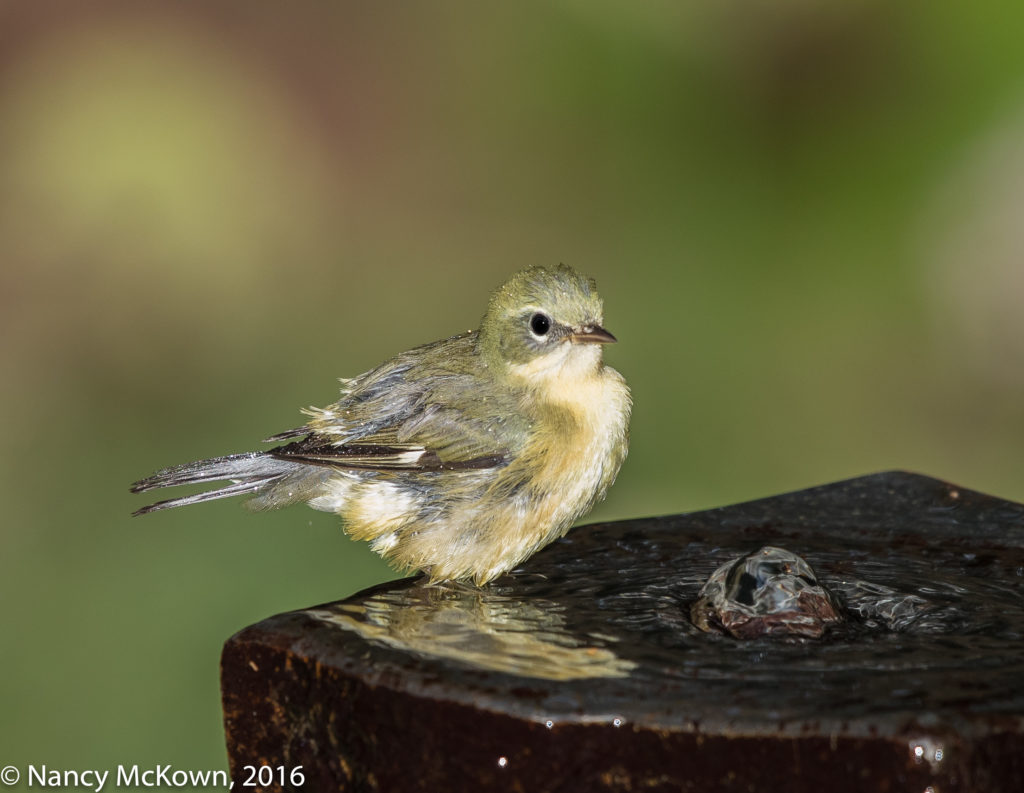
585	671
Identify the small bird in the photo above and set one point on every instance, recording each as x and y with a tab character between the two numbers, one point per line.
460	458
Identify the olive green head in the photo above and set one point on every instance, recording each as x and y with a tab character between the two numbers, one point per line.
541	312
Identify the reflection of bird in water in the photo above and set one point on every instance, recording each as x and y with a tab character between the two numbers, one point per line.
480	628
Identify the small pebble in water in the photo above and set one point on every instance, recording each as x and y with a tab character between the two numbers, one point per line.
766	593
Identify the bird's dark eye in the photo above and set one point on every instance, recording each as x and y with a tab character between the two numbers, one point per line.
540	324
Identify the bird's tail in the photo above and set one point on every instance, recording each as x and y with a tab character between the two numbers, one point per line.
254	473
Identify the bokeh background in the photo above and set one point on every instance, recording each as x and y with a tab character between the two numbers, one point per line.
805	220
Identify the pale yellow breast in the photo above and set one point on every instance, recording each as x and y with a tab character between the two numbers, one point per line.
580	444
580	418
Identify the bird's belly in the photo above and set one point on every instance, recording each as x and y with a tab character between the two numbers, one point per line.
575	475
564	473
483	523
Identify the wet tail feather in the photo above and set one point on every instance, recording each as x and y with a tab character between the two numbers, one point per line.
252	472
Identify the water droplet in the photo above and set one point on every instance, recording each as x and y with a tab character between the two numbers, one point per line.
502	762
616	722
549	724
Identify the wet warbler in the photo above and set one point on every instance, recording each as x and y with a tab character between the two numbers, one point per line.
463	457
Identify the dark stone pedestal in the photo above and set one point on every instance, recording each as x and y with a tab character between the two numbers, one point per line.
582	671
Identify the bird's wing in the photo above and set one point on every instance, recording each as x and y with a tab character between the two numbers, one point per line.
405	415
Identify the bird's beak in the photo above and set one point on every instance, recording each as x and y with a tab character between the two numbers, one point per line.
591	334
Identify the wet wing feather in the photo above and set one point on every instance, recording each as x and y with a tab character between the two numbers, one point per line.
408	416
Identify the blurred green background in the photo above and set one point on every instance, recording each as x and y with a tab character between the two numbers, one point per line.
805	220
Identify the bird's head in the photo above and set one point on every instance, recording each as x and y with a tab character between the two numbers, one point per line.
544	322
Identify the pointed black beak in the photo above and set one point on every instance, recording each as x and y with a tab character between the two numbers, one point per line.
591	334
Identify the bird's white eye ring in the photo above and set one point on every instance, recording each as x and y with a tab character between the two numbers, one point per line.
540	324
